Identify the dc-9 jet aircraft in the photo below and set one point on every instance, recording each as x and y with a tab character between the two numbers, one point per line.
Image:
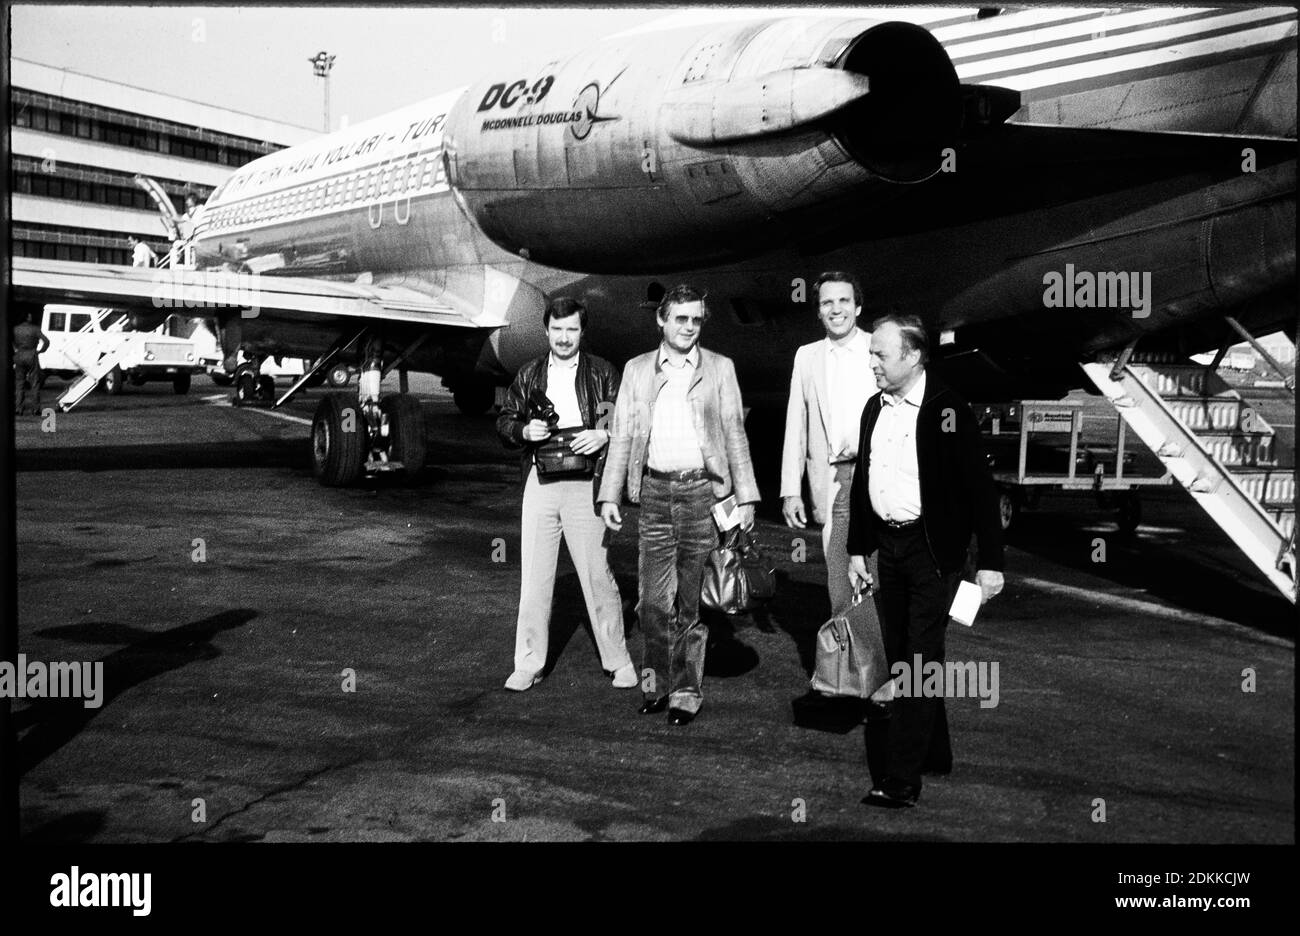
1000	173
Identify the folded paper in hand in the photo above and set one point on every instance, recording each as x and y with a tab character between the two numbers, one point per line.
726	513
966	603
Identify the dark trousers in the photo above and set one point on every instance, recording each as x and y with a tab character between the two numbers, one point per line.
27	382
913	600
677	534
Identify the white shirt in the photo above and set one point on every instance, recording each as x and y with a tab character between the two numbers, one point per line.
561	389
674	446
142	255
849	384
895	487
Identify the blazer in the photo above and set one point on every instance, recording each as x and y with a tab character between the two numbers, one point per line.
595	385
958	497
719	419
806	450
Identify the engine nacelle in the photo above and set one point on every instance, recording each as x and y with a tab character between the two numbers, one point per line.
675	149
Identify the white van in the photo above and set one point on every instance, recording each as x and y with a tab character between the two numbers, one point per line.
80	336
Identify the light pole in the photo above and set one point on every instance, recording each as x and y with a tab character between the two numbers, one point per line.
321	64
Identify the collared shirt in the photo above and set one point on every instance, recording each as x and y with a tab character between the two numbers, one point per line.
895	487
561	389
674	446
142	255
849	384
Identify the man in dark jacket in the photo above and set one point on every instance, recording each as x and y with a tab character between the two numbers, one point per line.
29	343
921	489
580	389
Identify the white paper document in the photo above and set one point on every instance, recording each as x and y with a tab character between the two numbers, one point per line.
966	603
726	513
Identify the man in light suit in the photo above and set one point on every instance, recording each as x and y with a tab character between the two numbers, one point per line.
831	383
677	446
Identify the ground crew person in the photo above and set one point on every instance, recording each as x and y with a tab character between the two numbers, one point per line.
29	341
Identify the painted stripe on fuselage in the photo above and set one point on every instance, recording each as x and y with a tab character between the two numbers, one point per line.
1060	37
1231	27
1186	57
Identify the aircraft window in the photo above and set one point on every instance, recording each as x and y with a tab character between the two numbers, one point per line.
320	195
58	321
338	193
428	173
413	176
383	181
373	189
78	320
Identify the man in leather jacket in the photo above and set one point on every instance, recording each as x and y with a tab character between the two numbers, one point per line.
581	389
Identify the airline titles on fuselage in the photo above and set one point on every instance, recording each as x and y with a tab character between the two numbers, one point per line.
339	154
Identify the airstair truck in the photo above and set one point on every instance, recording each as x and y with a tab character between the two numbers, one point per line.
90	346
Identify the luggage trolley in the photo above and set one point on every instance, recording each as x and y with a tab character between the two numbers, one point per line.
1029	453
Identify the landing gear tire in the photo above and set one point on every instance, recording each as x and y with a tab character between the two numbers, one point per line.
245	388
338	375
338	432
1008	509
113	381
135	381
266	388
181	383
1129	514
406	438
474	399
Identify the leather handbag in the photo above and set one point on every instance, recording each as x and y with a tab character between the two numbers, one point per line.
851	652
555	459
737	577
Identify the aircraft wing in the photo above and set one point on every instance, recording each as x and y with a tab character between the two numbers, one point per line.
159	291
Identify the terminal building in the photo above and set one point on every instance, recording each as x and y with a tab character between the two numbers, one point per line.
78	142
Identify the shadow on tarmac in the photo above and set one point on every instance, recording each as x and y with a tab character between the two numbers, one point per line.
48	724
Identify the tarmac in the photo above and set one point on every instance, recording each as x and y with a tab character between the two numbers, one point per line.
288	662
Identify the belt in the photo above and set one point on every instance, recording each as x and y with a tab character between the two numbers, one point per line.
899	525
694	474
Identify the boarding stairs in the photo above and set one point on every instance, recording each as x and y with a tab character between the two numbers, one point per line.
1216	445
92	372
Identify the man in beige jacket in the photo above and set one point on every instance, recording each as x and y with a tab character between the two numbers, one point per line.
831	384
677	446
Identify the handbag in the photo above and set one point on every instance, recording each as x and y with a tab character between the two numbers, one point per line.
737	577
851	652
555	459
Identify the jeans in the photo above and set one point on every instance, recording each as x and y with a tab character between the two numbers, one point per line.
677	533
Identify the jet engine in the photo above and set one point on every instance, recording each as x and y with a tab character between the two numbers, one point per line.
664	150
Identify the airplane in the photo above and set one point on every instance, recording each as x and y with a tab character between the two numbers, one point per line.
956	159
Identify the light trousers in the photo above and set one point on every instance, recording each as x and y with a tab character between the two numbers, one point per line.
551	510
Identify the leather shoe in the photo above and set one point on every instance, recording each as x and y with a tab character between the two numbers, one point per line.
892	796
522	682
878	711
653	706
678	716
